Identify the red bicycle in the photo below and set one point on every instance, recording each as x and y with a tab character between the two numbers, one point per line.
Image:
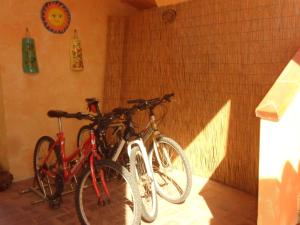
52	168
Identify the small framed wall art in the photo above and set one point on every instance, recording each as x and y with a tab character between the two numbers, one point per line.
56	16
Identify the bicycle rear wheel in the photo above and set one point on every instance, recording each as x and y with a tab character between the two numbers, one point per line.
124	205
172	172
45	163
145	184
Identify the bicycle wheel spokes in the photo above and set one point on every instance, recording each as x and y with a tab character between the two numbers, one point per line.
145	184
172	172
120	207
45	165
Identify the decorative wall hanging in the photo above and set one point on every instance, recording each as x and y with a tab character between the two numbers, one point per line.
76	53
29	60
56	16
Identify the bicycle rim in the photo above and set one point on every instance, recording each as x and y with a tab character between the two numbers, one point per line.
145	184
123	205
172	173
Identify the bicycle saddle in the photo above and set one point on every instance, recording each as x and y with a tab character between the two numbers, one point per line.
56	113
91	101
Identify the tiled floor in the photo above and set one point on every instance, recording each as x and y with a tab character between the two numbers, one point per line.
210	203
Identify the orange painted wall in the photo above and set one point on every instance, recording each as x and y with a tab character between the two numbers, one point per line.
27	98
3	155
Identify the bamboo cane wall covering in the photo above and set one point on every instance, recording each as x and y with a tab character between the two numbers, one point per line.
220	58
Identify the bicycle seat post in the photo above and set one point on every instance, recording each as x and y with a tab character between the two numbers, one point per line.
59	124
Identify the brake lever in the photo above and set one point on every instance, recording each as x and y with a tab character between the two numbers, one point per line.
168	97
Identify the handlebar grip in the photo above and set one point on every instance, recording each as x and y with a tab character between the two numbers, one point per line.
135	101
56	113
86	117
167	97
73	115
80	116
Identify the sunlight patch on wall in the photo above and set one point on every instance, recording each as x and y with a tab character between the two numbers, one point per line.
208	149
279	143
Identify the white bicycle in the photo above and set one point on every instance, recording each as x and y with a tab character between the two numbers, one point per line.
162	168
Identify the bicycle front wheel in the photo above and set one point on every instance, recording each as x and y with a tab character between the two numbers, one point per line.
145	184
172	172
123	204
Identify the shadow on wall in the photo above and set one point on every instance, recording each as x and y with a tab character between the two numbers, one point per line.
212	115
218	129
220	137
218	73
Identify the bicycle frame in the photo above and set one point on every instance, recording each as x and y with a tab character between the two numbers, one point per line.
150	132
88	149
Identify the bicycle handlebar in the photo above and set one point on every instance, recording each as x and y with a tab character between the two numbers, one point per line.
135	101
78	115
140	104
81	116
143	104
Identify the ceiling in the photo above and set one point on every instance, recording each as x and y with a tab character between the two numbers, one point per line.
141	4
146	4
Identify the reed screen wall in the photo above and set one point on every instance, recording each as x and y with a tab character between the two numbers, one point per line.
220	58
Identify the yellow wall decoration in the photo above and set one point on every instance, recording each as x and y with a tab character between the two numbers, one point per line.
76	53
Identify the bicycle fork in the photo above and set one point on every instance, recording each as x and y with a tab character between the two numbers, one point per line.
102	200
139	142
164	155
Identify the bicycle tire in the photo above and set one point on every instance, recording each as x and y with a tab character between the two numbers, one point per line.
176	193
54	160
85	197
145	184
80	134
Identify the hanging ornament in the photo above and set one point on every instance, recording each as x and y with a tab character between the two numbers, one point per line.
56	16
29	54
76	53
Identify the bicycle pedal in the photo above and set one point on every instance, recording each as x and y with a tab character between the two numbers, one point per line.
107	201
103	202
54	202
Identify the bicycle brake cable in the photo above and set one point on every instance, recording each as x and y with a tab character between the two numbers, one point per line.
165	111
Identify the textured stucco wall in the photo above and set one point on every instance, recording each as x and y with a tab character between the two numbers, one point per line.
3	155
27	98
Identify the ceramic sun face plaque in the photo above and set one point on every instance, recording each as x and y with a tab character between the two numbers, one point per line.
56	16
